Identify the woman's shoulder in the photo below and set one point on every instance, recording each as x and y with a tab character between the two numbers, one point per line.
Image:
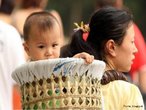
123	88
118	81
126	88
123	84
127	94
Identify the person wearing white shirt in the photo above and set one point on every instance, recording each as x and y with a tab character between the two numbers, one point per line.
11	56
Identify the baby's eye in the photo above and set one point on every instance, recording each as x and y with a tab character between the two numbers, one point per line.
54	45
41	46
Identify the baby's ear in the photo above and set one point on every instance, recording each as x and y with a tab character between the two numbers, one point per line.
110	47
26	48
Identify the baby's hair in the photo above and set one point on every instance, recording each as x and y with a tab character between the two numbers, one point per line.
43	20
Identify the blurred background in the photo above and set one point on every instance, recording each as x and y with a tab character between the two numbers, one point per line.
80	10
15	12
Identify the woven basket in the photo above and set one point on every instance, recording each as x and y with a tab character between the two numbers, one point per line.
61	92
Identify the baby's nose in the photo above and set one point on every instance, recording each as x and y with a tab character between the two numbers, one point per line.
49	52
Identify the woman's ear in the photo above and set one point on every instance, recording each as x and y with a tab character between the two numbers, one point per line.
26	48
110	47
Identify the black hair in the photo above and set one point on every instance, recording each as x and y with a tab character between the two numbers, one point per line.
105	24
77	45
7	6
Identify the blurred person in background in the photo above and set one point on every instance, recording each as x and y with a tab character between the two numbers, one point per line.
23	9
6	9
138	69
11	55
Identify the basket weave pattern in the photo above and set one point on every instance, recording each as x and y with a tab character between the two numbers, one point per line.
62	93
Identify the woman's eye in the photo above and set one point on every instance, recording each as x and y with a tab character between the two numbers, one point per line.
132	41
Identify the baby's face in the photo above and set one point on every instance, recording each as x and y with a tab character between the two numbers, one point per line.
45	44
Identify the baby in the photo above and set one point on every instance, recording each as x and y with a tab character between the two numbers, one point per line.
42	38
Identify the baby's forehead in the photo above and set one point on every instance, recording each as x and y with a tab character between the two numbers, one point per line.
46	33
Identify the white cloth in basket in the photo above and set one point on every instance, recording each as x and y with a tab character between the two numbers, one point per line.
65	66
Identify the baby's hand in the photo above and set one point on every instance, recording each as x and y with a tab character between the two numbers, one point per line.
88	58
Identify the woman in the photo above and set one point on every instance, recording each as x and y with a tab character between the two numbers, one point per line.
111	39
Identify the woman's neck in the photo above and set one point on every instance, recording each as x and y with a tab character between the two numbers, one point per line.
110	66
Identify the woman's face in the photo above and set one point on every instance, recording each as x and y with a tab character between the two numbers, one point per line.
124	53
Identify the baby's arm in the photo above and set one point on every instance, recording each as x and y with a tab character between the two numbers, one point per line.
88	58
